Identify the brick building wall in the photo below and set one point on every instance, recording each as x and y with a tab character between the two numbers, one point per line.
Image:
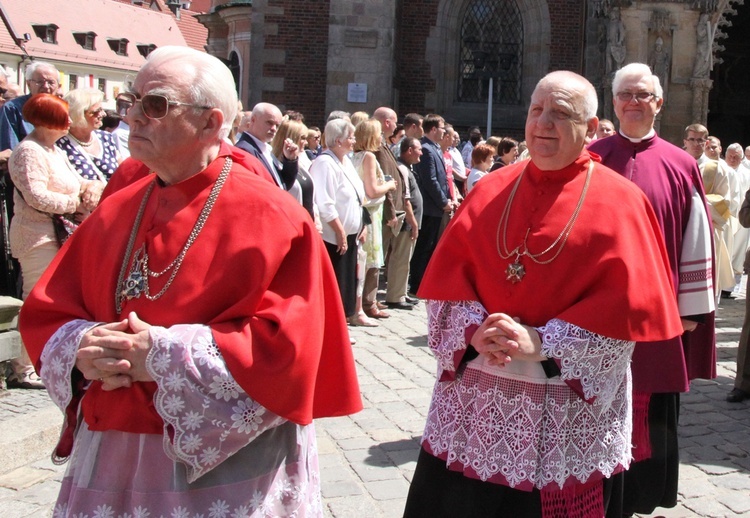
303	35
568	20
413	78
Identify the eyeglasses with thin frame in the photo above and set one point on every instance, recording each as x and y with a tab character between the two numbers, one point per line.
96	112
697	140
44	82
154	106
641	97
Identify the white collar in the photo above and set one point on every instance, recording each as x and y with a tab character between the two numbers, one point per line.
650	134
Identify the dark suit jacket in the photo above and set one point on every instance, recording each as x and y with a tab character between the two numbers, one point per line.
287	173
432	179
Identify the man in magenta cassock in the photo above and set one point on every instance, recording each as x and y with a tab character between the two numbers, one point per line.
662	370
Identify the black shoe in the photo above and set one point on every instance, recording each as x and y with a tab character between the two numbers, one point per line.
737	396
726	294
411	300
399	305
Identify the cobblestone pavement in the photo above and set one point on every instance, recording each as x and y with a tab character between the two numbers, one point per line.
368	459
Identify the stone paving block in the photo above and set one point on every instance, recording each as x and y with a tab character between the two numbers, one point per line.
406	441
345	431
24	477
359	507
41	494
689	472
732	481
18	509
395	407
715	469
743	463
690	431
388	489
391	508
372	457
707	507
695	488
376	473
404	459
732	450
712	440
338	488
376	397
678	511
706	454
705	407
726	427
400	385
358	443
737	502
325	444
330	460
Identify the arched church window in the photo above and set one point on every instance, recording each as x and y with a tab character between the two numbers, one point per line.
491	46
234	67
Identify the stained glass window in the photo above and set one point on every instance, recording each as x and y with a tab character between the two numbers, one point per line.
491	45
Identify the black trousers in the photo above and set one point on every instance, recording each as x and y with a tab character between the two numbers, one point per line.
345	268
652	483
437	492
429	233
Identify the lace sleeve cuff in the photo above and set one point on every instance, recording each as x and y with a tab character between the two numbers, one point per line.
207	416
596	362
59	360
447	324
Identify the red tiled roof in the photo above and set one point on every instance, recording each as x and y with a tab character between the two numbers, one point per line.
195	34
106	18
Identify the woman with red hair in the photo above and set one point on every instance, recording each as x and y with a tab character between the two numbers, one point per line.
46	187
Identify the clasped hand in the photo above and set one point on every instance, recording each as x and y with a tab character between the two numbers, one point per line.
501	339
115	353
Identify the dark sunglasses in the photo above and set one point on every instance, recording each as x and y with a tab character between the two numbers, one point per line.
154	106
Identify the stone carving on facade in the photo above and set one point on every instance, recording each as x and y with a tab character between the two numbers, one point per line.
661	30
703	47
615	41
660	62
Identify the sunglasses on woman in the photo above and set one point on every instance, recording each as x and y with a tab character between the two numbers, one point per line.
154	106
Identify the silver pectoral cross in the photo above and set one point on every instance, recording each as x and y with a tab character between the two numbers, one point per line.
515	271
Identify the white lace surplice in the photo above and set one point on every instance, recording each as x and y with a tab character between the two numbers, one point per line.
515	426
221	453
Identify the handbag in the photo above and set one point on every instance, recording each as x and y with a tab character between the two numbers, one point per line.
366	218
63	224
63	228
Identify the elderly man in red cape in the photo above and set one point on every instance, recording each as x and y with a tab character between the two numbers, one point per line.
191	328
557	267
672	182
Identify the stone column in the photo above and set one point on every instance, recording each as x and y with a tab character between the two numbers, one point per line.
701	89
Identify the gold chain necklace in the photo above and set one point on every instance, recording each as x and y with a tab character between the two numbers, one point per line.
516	270
137	280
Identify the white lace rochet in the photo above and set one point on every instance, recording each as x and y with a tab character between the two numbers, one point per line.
513	425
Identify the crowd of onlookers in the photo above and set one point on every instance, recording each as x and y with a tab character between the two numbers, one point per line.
381	189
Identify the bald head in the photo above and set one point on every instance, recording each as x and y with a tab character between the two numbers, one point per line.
562	113
388	120
264	121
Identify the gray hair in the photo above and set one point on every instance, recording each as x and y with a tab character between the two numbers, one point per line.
637	70
336	130
36	65
80	100
210	81
338	114
736	147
